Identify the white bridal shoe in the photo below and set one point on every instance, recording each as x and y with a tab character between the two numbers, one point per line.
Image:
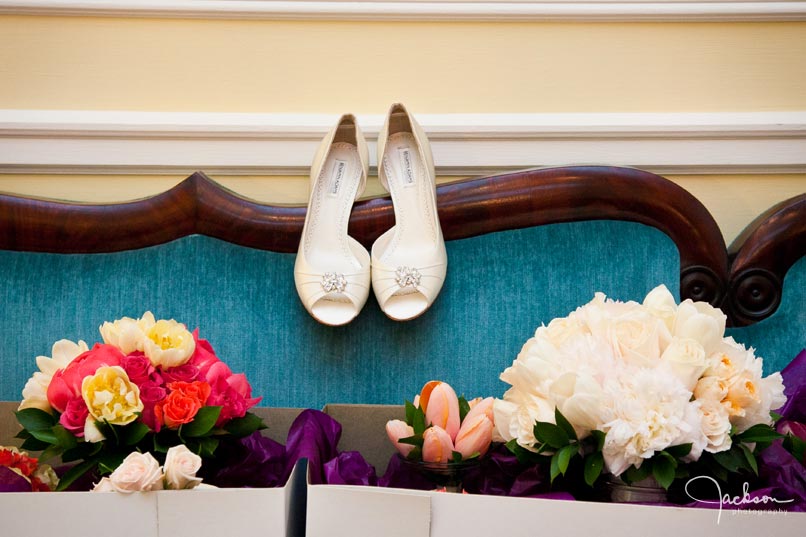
409	261
332	270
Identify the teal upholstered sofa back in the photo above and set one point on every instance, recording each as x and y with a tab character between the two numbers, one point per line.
499	288
523	248
779	338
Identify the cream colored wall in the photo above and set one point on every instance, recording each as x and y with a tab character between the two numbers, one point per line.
333	67
733	200
86	63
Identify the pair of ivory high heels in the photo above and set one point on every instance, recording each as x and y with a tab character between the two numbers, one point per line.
407	266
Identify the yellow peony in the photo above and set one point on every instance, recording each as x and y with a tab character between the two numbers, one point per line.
168	344
110	396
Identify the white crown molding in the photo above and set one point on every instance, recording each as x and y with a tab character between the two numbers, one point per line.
423	10
109	142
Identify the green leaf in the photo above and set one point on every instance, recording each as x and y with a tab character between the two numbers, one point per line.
51	452
720	473
554	469
74	473
633	474
159	445
207	446
108	430
416	440
759	433
564	457
679	451
418	421
131	434
245	426
550	434
82	451
45	436
23	435
410	413
523	455
594	463
564	424
599	436
64	439
464	408
456	456
35	419
202	424
32	444
795	446
663	471
730	460
109	462
751	459
681	472
775	416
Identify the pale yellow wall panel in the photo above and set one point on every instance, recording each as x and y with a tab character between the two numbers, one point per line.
733	200
287	66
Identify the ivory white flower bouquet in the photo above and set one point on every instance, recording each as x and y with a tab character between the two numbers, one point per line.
638	390
150	386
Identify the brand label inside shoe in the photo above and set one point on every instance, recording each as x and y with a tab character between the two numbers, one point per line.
338	174
406	166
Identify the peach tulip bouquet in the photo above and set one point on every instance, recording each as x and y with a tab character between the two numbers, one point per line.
150	386
441	428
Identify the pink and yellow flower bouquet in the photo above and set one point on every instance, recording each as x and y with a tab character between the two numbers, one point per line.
151	385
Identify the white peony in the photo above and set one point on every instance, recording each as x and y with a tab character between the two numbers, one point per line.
35	392
127	334
168	343
181	466
652	411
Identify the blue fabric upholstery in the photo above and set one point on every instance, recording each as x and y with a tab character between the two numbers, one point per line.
779	338
499	288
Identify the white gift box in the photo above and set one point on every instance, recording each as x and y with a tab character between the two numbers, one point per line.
204	512
356	511
167	513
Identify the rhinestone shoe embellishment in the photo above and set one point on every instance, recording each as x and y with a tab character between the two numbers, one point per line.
407	276
334	281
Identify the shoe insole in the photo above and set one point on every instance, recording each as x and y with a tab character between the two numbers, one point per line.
326	243
413	199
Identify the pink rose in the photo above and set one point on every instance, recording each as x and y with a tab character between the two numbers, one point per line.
182	373
139	368
75	416
203	355
66	383
234	395
151	393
